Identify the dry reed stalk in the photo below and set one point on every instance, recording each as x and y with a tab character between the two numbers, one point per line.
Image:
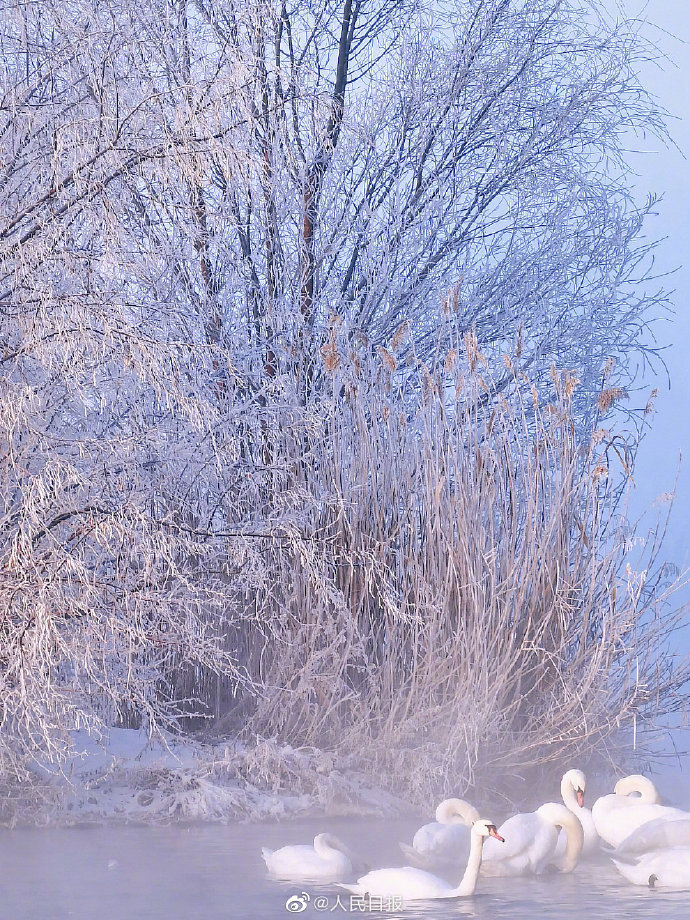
464	613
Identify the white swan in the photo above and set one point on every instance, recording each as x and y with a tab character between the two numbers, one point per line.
668	868
617	816
328	858
446	841
659	834
573	787
412	884
531	840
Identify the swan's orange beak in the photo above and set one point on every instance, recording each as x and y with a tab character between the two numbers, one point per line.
580	798
494	833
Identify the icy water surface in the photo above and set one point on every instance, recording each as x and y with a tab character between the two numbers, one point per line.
214	872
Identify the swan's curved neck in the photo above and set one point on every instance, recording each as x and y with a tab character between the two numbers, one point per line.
450	810
326	845
469	879
638	783
574	840
560	816
568	795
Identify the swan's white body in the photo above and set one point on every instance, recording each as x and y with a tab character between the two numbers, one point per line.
328	858
446	841
659	834
412	884
617	816
573	786
668	868
531	840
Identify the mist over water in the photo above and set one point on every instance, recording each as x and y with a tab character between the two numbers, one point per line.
209	872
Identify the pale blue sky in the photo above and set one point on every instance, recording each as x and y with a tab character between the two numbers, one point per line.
667	171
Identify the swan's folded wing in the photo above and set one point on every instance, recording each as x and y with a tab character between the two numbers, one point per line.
669	868
518	833
424	836
634	872
626	821
656	835
439	846
405	882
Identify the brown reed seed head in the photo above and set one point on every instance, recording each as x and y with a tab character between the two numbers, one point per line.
600	471
608	397
571	384
387	358
649	408
472	349
400	335
609	367
330	355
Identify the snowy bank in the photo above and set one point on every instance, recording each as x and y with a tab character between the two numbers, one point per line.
126	777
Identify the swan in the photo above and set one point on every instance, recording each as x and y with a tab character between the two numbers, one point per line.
659	834
446	841
667	868
328	858
573	786
413	884
623	793
531	842
617	816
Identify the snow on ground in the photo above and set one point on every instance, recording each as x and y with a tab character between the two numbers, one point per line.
126	777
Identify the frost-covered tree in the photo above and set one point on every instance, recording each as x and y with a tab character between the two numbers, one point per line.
108	404
397	149
268	165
